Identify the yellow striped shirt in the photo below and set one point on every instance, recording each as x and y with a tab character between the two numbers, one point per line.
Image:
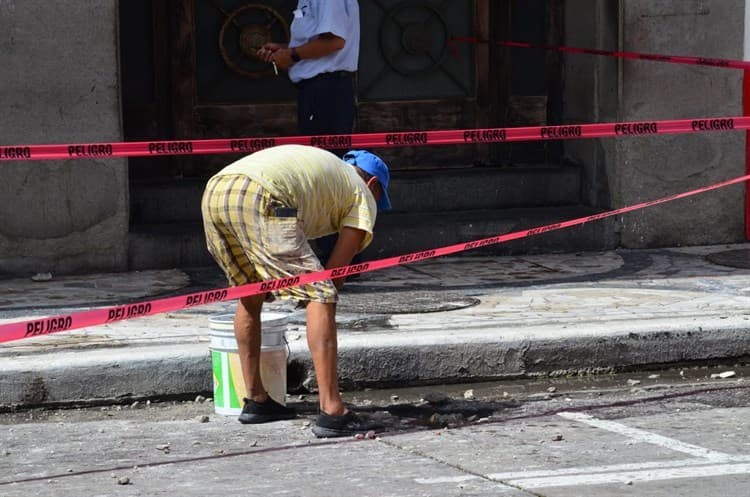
327	192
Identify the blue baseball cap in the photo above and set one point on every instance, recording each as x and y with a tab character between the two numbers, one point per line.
374	165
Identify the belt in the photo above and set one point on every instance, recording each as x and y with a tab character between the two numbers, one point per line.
327	75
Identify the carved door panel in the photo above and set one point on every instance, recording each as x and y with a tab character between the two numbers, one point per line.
222	89
411	77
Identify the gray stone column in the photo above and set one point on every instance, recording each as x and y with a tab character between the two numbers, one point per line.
635	169
60	84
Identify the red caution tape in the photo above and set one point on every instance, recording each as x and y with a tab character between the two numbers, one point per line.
675	59
56	324
373	140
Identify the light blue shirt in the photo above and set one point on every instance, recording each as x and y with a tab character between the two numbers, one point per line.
315	17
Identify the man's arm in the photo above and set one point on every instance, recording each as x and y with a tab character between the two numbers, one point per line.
318	47
347	246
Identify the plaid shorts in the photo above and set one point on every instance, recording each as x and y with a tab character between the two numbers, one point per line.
254	237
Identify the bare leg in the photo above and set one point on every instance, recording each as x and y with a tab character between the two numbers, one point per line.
321	339
247	332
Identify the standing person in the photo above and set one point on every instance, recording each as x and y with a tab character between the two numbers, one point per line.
258	215
322	58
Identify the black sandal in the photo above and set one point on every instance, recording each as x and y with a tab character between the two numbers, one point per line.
270	410
348	424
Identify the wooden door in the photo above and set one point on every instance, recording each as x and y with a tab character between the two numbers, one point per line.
206	83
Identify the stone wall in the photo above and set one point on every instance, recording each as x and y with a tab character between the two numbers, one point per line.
60	84
630	170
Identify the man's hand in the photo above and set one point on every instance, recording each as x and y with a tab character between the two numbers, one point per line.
347	246
282	58
265	53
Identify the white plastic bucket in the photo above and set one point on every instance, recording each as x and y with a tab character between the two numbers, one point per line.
229	386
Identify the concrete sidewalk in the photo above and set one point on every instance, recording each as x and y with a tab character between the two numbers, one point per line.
437	321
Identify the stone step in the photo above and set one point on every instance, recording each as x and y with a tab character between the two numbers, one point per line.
168	245
404	233
422	191
182	245
485	188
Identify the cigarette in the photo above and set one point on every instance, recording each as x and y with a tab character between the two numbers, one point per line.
275	69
